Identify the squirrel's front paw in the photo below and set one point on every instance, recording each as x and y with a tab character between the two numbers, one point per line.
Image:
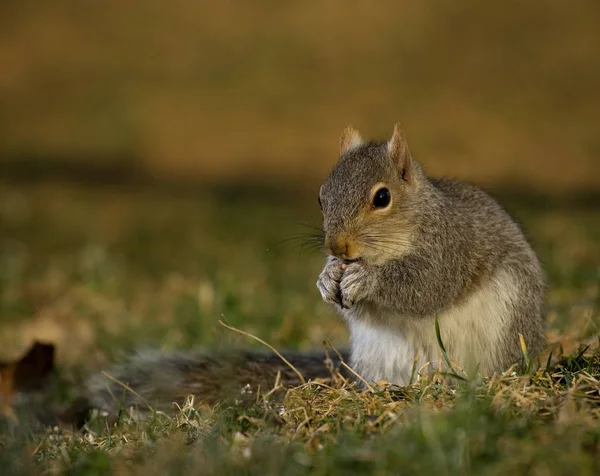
355	284
329	281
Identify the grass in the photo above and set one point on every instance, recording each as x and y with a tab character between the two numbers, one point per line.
101	270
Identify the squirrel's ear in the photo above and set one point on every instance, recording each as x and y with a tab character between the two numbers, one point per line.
399	151
349	139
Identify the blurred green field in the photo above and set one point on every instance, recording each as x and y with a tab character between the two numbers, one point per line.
102	270
158	267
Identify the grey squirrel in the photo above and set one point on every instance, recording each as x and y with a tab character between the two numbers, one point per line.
402	249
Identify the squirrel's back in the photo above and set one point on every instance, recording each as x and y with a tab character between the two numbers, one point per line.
508	284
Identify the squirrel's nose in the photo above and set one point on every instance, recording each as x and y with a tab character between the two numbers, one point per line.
340	248
337	248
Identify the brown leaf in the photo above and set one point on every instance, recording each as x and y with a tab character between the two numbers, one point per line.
24	375
7	390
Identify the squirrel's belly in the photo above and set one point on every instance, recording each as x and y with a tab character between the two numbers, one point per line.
477	331
474	333
383	354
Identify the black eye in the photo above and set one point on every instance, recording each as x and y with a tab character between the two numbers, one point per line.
382	198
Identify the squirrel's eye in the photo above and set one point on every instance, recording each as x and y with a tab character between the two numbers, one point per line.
382	198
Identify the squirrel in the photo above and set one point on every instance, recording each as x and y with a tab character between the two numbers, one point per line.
402	250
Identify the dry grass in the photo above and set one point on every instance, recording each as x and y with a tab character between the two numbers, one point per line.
102	270
321	427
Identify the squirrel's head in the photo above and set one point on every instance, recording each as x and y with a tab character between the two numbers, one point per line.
369	197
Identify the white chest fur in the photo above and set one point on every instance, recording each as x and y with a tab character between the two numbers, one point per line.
388	346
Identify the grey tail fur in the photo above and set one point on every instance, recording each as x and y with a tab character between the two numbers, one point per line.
151	380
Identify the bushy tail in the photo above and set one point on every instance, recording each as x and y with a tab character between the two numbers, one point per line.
154	380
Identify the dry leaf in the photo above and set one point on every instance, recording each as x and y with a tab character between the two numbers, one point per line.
24	375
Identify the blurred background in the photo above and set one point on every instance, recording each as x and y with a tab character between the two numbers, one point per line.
156	156
503	92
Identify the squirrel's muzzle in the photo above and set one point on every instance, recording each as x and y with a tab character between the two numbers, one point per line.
341	247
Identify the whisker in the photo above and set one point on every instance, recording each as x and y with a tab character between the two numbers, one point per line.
302	239
390	252
389	243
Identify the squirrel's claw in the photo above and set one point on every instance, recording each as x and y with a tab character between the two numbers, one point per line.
329	282
354	285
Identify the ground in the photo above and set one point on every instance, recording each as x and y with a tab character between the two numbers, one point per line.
101	270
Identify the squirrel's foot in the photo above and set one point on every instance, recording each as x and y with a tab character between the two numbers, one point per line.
355	284
329	281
